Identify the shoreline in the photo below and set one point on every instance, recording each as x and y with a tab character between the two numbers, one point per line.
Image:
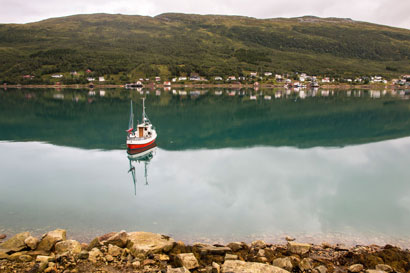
234	86
150	252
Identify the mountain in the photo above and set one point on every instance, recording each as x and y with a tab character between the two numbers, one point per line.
124	47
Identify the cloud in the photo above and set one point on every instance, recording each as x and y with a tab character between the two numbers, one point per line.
387	12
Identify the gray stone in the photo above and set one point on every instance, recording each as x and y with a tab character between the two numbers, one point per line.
249	267
214	250
298	248
25	258
284	263
258	244
384	267
320	269
70	246
15	243
83	255
50	239
119	239
187	260
230	257
31	242
355	268
235	246
306	264
147	242
44	259
114	250
94	254
177	270
216	268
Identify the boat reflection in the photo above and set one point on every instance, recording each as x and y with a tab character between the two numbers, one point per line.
141	157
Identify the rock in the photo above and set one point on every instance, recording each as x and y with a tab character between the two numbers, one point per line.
230	257
83	255
44	259
2	236
94	243
298	248
50	239
284	263
148	262
187	260
235	246
119	239
320	269
161	257
31	242
355	268
3	254
15	243
258	244
16	256
147	242
384	267
306	264
114	250
249	267
177	270
214	250
289	239
25	258
42	266
109	258
216	268
70	246
326	245
136	264
94	254
341	247
374	271
262	259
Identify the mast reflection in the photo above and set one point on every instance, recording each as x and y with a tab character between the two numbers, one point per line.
141	157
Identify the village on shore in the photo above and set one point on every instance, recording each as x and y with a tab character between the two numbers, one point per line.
150	252
251	78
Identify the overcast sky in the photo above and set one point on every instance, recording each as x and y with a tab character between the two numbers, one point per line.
387	12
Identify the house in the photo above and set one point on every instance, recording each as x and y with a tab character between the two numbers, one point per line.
326	80
88	71
218	78
74	73
174	79
254	74
301	78
157	79
241	78
28	77
182	78
194	78
56	76
231	78
278	77
90	79
101	79
268	74
167	83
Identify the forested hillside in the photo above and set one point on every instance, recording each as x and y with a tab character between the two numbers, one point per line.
122	47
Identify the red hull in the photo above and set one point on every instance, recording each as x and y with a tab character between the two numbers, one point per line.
138	146
142	149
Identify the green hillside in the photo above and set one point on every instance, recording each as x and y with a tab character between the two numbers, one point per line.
124	47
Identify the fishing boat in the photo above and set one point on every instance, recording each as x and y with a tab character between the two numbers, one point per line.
143	138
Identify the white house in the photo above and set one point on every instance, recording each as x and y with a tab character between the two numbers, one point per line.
101	79
157	79
231	78
326	80
182	79
268	74
218	78
56	76
90	79
254	74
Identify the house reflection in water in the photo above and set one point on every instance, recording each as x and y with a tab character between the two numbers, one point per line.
142	157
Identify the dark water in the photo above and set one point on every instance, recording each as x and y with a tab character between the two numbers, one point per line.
321	165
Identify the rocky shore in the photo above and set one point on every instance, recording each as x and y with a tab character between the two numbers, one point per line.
149	252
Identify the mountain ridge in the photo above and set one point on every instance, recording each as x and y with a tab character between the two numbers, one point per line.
125	47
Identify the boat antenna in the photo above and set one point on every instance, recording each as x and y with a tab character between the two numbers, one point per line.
132	170
146	173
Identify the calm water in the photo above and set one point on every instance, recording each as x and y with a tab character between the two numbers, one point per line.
324	166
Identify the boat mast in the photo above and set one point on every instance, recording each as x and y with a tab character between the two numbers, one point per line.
131	123
143	111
